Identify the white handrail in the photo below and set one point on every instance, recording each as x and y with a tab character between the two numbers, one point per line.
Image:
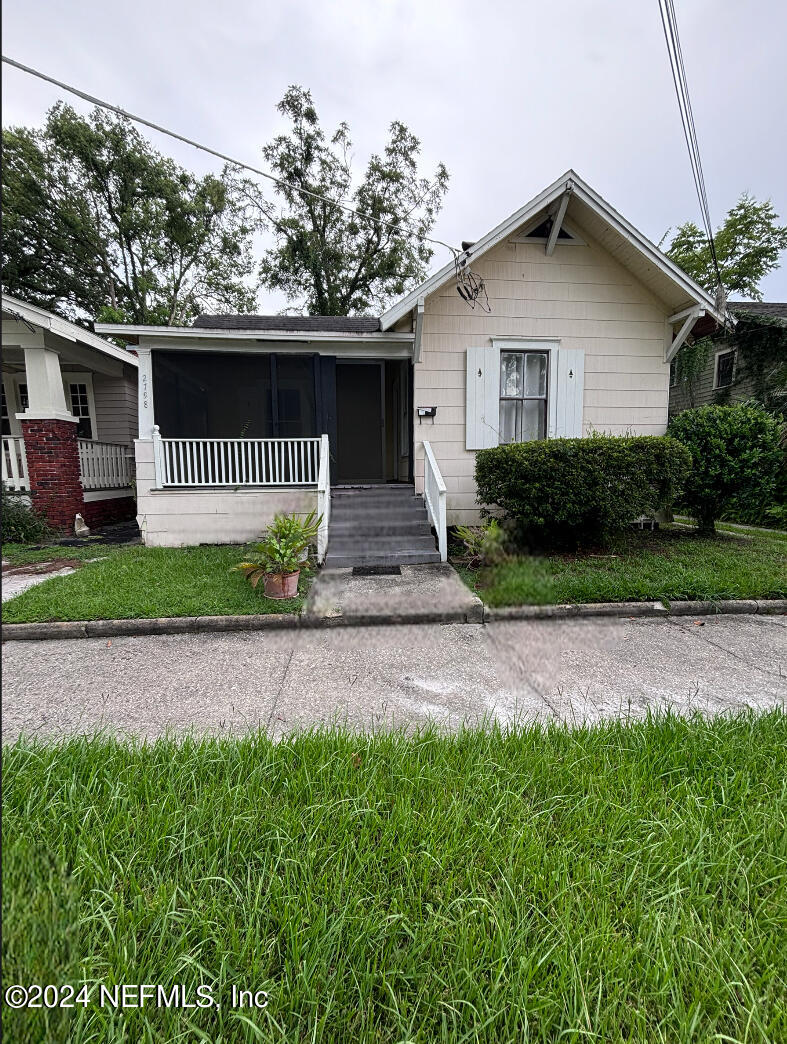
14	464
323	498
104	465
434	495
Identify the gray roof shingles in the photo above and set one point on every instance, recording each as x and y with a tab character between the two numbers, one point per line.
777	309
291	323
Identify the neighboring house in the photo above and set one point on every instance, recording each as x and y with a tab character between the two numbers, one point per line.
722	379
69	417
241	416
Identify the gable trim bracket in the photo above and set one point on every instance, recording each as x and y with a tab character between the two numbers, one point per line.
418	327
689	316
558	222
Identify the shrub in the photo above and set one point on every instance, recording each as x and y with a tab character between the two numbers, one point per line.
22	524
736	458
485	545
563	491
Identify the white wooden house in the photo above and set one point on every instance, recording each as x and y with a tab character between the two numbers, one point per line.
69	417
242	416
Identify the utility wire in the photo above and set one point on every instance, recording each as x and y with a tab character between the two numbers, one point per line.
402	229
672	37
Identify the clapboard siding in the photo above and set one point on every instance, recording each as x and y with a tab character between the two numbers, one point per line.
580	296
116	406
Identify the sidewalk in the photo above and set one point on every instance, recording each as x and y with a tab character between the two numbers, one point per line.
366	678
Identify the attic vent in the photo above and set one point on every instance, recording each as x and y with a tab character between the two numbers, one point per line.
542	231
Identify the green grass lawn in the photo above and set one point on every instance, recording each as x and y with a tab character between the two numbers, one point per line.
140	583
672	564
617	882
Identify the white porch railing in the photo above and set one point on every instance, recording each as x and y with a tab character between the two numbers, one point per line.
14	464
434	495
323	498
236	462
105	465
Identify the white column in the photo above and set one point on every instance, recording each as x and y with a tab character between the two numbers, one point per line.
46	397
146	418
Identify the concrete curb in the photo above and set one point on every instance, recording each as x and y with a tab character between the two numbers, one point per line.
773	606
288	621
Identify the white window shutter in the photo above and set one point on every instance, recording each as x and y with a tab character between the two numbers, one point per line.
482	417
569	392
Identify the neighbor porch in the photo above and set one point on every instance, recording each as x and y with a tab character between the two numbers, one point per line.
69	416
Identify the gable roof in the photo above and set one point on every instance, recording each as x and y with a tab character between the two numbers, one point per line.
593	214
13	308
290	323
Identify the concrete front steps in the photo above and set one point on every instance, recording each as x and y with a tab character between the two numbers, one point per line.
380	526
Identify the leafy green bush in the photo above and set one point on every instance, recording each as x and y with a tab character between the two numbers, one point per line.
563	491
736	458
22	524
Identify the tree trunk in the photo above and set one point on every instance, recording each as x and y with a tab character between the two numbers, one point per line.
706	525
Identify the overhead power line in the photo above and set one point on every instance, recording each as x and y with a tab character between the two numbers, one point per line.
672	37
401	229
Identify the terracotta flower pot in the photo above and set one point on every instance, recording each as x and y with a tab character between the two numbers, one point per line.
281	585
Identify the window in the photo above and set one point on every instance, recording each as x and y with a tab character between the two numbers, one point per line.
80	407
725	365
523	396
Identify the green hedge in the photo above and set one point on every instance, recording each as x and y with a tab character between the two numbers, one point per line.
738	465
567	491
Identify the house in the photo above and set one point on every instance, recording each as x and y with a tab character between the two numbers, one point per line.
69	417
561	320
725	378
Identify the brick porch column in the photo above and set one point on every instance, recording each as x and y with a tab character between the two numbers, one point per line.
50	434
53	468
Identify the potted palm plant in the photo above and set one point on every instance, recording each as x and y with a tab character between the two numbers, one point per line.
282	554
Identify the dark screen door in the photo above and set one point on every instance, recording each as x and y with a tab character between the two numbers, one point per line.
359	422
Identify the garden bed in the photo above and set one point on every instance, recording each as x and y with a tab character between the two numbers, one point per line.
135	582
616	882
670	564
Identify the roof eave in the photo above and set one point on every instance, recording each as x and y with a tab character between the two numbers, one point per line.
55	324
202	333
582	191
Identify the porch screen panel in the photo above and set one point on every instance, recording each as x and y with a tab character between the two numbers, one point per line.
295	396
221	395
199	395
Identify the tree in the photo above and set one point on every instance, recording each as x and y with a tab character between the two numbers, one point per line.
747	247
735	456
99	225
325	259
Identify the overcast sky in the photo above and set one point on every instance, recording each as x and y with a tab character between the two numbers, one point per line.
507	94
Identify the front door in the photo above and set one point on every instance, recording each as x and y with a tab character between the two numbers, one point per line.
359	422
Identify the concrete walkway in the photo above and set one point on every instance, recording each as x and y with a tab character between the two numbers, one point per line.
371	677
431	591
19	579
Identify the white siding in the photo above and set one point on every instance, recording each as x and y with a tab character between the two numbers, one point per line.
116	406
580	296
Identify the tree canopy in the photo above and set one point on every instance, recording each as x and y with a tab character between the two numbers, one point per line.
99	225
748	244
324	259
